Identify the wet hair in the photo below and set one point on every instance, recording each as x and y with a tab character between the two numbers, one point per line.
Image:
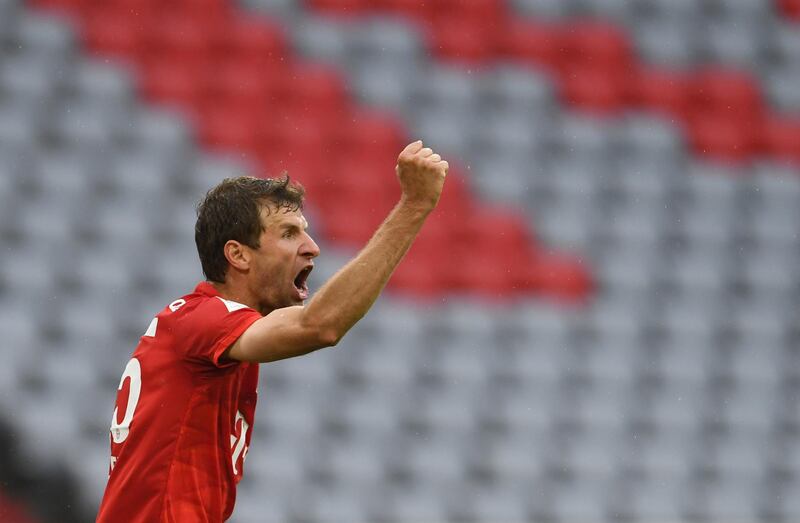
232	211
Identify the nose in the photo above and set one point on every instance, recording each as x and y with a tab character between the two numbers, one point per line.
309	247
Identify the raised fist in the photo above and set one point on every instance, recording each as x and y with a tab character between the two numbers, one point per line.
421	173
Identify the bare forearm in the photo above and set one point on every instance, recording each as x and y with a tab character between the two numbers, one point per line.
348	295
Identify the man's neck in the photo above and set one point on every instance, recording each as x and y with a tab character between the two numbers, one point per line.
237	293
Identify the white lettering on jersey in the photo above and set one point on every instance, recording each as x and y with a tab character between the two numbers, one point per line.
238	444
119	430
151	330
232	305
177	304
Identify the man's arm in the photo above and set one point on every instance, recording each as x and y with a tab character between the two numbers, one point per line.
348	295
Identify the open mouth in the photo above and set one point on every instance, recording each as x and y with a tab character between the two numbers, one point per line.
301	282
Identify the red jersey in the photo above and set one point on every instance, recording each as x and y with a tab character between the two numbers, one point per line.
181	426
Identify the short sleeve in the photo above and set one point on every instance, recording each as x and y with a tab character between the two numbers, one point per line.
204	332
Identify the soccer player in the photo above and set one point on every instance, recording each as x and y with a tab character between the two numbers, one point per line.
185	404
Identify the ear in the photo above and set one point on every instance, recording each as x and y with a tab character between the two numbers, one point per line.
237	255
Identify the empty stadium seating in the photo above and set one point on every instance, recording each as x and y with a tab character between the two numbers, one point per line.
662	388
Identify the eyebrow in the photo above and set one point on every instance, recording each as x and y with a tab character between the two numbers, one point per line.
290	225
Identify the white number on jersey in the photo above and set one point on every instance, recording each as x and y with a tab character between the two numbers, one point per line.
237	445
133	371
120	429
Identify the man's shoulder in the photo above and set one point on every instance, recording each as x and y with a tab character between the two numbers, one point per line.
203	305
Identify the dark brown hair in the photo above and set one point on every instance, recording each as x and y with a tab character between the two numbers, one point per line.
232	211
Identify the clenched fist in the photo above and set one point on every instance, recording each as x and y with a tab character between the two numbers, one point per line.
421	173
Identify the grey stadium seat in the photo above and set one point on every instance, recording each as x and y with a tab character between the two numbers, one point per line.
387	40
666	42
43	34
520	91
323	40
778	86
733	42
106	84
378	84
544	8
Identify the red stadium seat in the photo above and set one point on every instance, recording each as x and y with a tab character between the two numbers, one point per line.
341	7
596	89
466	40
495	230
13	511
563	278
184	36
456	201
597	45
111	32
725	137
422	273
726	92
781	138
372	133
488	246
790	8
312	89
210	8
661	90
221	129
540	44
412	9
307	136
274	161
293	132
363	178
257	40
349	223
490	11
180	85
487	273
130	5
64	7
244	84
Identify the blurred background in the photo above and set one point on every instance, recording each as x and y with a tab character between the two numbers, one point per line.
597	324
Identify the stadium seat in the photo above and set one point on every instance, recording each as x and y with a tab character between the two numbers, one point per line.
503	502
597	45
470	40
728	138
722	91
387	40
721	501
547	9
518	461
665	42
585	500
736	40
784	42
595	88
661	90
541	44
322	39
259	41
781	138
655	499
790	9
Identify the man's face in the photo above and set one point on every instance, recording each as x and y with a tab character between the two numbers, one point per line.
283	260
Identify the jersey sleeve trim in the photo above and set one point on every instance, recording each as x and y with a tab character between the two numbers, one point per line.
223	343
